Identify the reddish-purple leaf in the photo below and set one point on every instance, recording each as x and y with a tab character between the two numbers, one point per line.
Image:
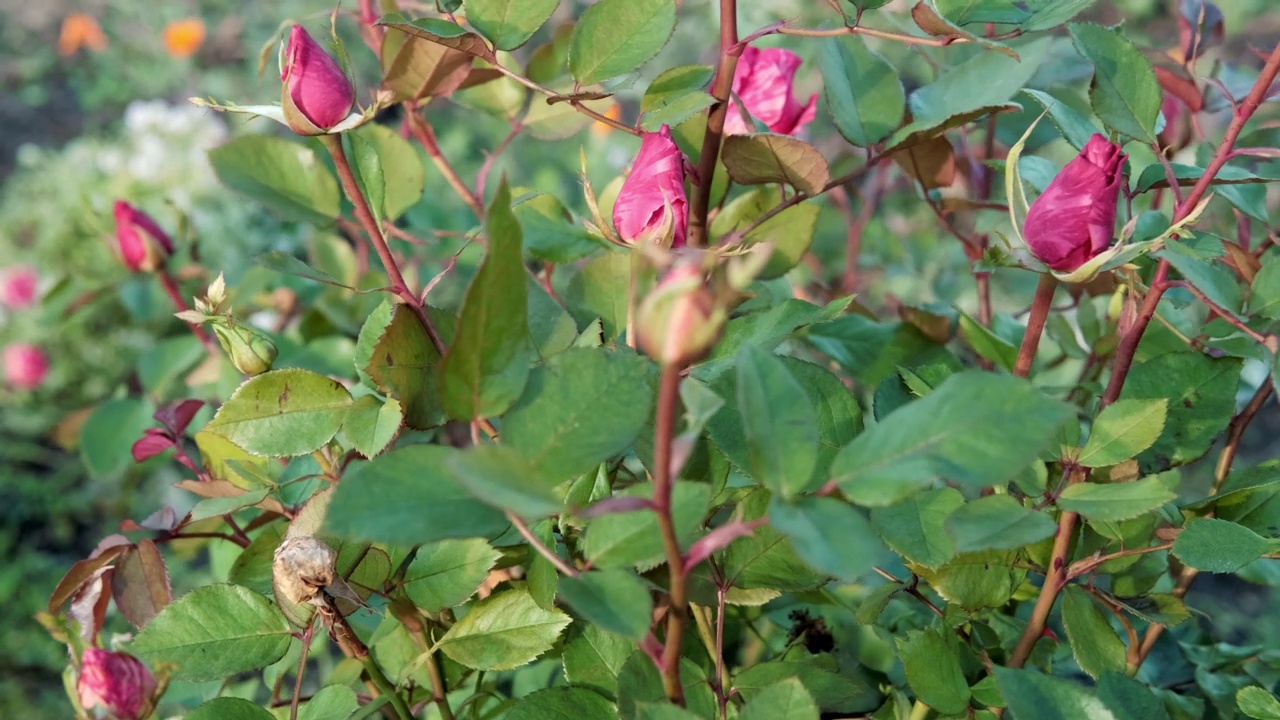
153	442
175	417
140	584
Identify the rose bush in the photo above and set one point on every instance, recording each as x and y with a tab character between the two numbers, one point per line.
663	441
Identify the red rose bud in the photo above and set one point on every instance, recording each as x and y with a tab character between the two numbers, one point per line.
25	366
765	82
317	94
1074	220
118	682
652	197
141	242
18	287
678	322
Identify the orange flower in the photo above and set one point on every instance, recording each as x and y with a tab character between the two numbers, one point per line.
602	128
80	30
182	38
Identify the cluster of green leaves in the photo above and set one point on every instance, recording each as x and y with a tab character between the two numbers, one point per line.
865	516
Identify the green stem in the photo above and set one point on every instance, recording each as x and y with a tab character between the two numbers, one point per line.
385	687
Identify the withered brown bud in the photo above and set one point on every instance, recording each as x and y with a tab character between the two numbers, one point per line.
303	566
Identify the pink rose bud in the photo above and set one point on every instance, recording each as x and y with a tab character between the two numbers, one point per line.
678	322
1074	220
18	287
142	244
118	682
25	365
317	94
765	81
652	199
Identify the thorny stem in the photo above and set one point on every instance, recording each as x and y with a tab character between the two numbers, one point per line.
1054	579
333	143
1056	572
1035	324
426	136
577	105
782	29
1222	312
720	89
677	616
1235	431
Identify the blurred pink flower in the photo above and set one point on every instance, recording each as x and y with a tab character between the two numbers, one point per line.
25	365
653	188
317	94
1074	220
765	81
678	321
116	681
18	287
133	228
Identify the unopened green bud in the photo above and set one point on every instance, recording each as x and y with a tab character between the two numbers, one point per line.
679	320
250	351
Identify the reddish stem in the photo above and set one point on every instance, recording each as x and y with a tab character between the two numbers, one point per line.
171	288
1035	324
677	615
720	89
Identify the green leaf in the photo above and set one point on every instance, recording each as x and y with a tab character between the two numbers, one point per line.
833	692
915	527
1075	128
371	424
109	433
580	408
987	344
1048	14
283	413
615	600
765	559
615	37
405	496
447	573
861	90
869	350
1122	430
1097	648
640	684
779	423
1200	404
404	176
1125	94
550	233
333	702
933	670
508	23
662	711
599	290
955	432
593	658
215	631
230	708
790	232
786	700
401	361
485	367
918	132
562	703
252	567
367	168
1129	698
765	158
1218	546
675	96
997	522
1264	295
985	80
499	476
285	176
627	539
215	506
829	535
1116	501
1208	276
1032	696
442	32
503	631
1258	703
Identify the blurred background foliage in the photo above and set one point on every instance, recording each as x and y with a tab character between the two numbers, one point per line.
92	106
